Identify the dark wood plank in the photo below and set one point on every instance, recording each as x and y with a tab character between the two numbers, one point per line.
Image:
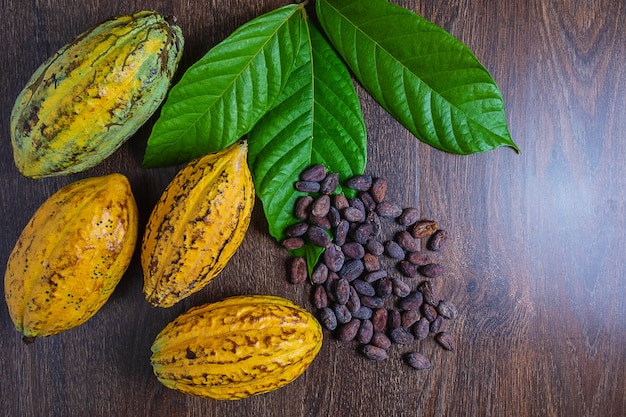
534	263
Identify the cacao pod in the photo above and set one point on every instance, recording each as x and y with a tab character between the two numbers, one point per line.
87	99
197	225
235	348
71	255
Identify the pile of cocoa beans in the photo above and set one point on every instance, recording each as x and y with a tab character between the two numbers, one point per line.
356	295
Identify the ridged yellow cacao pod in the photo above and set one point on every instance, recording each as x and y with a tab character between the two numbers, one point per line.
235	348
71	255
87	99
197	225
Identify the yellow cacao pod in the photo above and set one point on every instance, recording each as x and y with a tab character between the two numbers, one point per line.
71	255
87	99
197	225
235	348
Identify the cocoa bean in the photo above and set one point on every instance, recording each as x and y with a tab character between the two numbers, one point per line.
400	288
409	317
446	340
372	302
433	270
357	204
341	232
401	336
374	220
363	288
307	186
329	184
320	206
424	228
359	182
354	302
446	309
407	269
374	353
342	313
371	262
364	313
438	240
381	340
379	319
342	290
319	275
368	200
408	217
406	241
347	332
334	217
374	275
362	233
418	361
314	173
296	230
421	329
328	318
353	214
351	269
429	293
413	301
375	247
394	319
302	206
436	325
384	287
320	298
418	258
393	250
388	209
322	222
298	272
429	312
339	201
365	333
292	243
333	258
353	250
318	237
378	189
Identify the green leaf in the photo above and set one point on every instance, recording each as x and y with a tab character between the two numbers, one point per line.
316	120
428	80
223	95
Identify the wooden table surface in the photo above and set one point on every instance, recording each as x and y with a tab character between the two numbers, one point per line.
535	262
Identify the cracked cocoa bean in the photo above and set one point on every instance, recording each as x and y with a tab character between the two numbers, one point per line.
429	312
409	317
436	325
407	269
429	293
424	228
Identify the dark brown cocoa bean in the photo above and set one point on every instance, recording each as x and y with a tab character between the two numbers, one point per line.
320	298
418	258
334	217
347	332
401	336
429	292
394	319
384	287
292	243
374	275
320	206
394	250
333	258
359	182
296	229
329	184
447	310
379	319
339	201
436	325
363	313
298	272
413	301
429	312
353	215
374	219
438	240
400	288
374	353
372	302
365	333
409	317
329	284
314	173
421	329
342	290
388	209
362	233
321	222
341	232
406	241
302	206
328	318
307	186
318	236
368	200
433	270
363	288
358	204
371	262
378	189
351	269
407	269
319	275
353	250
418	361
446	340
354	302
375	247
408	217
424	228
342	313
381	340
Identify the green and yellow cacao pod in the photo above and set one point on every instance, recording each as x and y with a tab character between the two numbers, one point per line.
92	95
197	225
71	255
235	348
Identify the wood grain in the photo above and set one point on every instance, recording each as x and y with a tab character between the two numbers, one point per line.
535	260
